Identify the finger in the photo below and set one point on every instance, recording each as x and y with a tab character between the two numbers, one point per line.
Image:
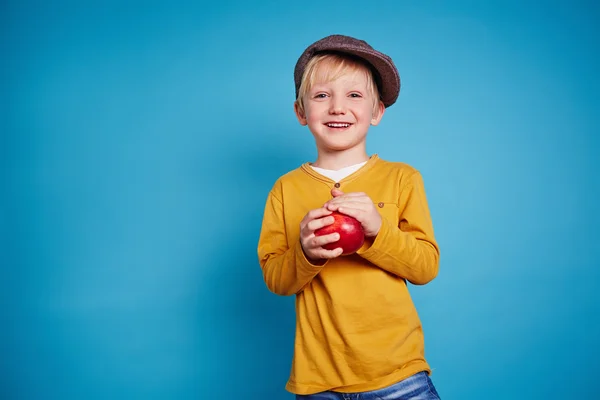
334	205
320	241
352	212
335	192
347	204
351	196
319	223
355	194
316	213
323	253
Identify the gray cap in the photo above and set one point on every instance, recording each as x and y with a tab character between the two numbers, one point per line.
385	73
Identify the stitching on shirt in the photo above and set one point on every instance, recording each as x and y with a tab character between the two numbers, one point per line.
276	198
406	185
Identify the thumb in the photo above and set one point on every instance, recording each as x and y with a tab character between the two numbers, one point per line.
335	192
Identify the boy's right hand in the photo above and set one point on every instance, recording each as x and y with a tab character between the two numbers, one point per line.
312	244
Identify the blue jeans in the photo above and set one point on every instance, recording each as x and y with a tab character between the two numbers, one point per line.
416	387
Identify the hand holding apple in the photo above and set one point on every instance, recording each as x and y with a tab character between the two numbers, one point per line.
359	206
312	244
350	231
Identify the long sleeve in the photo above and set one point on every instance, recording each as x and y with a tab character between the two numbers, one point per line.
286	270
407	248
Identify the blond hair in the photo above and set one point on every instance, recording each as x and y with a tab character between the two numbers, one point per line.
337	66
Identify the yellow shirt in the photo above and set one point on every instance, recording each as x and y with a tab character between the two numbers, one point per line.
356	326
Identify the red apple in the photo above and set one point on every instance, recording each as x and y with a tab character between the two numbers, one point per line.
351	233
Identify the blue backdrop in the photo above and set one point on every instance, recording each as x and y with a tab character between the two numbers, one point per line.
139	143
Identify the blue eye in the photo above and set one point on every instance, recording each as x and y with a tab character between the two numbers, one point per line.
355	95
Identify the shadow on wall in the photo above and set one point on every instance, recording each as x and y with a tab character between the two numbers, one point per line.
249	330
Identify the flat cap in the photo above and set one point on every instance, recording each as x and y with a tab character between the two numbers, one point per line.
385	73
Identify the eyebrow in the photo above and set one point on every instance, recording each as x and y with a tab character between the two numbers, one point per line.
353	85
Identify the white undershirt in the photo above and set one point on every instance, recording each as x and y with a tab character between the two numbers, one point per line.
338	175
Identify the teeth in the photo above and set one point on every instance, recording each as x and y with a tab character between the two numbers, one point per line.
338	125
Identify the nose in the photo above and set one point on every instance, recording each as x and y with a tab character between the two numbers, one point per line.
336	106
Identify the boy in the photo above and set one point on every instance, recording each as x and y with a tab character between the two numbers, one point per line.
358	334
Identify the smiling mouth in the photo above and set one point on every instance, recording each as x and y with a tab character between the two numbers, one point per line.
337	125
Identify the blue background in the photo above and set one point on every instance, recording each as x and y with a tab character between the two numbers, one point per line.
139	142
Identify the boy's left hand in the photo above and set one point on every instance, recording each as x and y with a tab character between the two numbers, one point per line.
359	206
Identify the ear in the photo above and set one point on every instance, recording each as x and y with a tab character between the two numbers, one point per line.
378	114
300	114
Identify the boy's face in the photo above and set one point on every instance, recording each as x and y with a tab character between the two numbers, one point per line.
339	112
